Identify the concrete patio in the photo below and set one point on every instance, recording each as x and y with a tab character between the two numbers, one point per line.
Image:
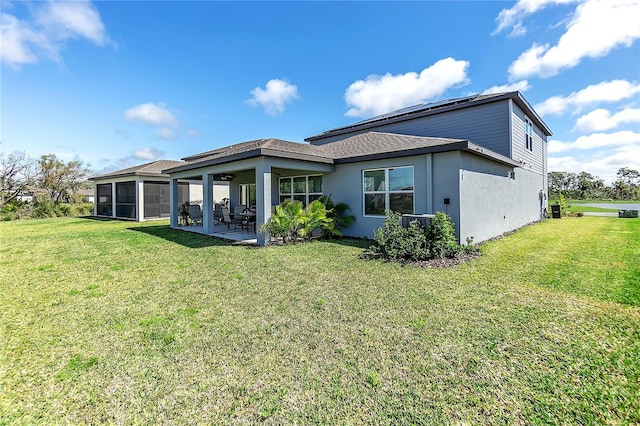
246	236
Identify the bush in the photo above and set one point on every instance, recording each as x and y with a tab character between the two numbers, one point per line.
394	242
441	237
44	209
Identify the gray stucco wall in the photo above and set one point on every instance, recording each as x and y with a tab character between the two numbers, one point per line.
493	203
345	185
486	125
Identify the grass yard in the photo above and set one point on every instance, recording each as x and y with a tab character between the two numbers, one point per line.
119	322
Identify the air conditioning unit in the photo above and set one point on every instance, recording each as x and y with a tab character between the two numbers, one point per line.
424	219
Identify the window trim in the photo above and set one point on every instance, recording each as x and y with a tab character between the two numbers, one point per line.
386	191
306	194
528	134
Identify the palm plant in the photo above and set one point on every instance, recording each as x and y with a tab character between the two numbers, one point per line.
337	212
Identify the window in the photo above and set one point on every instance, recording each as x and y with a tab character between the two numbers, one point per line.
388	189
248	194
302	188
528	134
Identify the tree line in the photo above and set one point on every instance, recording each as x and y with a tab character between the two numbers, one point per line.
52	182
585	186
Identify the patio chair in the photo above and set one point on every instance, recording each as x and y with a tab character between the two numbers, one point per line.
226	216
238	217
195	214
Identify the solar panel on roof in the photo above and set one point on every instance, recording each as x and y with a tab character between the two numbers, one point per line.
415	108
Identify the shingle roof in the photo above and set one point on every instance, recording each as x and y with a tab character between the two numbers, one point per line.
378	145
422	110
361	147
255	148
153	169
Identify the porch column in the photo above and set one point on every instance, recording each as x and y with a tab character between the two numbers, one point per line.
429	172
207	203
95	198
173	202
113	199
263	198
140	200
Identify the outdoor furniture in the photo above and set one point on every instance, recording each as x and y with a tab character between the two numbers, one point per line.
237	215
226	216
195	214
248	220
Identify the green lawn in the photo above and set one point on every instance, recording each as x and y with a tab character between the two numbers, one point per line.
119	322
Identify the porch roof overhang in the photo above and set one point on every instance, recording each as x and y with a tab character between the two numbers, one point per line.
280	151
128	174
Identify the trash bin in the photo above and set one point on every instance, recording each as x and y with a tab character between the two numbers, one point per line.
555	211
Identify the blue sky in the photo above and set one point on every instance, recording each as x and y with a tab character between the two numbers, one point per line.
122	83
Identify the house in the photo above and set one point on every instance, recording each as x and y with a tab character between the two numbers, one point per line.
481	159
84	195
142	192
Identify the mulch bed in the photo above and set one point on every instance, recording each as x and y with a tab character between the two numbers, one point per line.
446	262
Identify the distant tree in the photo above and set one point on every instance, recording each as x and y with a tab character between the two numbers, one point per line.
58	179
17	174
627	185
588	186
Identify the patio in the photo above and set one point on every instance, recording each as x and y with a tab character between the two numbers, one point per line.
246	236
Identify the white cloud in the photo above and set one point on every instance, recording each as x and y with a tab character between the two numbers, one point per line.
601	119
52	24
147	154
274	96
603	164
381	94
597	27
152	114
192	133
605	91
595	141
165	133
521	86
512	17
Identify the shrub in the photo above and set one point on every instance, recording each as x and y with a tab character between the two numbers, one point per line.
441	237
394	242
82	209
291	221
337	212
563	205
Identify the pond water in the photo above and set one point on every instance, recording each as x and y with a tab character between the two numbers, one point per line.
613	206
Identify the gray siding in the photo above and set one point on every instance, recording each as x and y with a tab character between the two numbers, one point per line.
534	161
486	125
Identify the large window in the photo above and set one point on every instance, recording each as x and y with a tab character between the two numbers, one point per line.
248	194
126	200
104	206
302	188
388	189
528	134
